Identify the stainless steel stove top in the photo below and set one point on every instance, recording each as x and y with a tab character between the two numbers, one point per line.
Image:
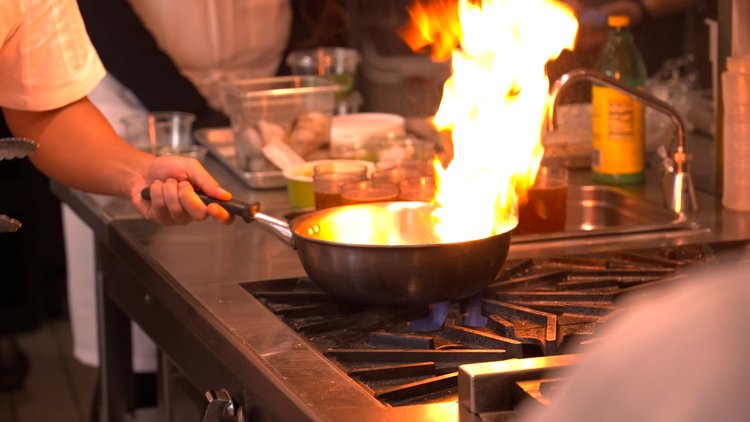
535	310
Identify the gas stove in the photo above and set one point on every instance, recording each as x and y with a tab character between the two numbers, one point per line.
535	311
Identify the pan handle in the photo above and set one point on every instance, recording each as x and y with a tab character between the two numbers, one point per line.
241	209
248	212
278	227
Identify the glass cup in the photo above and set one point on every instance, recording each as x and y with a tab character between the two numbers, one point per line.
394	172
368	191
338	64
546	204
163	133
399	150
328	178
417	189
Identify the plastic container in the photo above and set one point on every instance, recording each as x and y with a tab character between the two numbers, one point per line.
407	84
338	64
736	135
295	109
617	123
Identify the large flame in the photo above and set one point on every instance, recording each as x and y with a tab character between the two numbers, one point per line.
493	103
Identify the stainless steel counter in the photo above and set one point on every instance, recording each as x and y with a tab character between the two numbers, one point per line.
181	285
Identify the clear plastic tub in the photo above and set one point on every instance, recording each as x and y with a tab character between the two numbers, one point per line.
736	90
293	109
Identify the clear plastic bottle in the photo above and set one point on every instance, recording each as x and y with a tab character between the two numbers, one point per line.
618	119
736	94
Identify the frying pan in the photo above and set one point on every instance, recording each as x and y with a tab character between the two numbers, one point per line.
383	253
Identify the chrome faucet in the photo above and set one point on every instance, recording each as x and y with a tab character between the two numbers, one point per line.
679	192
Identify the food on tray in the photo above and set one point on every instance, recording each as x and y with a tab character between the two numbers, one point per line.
306	136
310	133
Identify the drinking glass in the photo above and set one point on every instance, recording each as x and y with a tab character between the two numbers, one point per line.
545	208
328	178
336	63
368	191
396	171
163	133
417	189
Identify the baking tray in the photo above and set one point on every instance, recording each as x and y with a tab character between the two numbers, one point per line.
220	143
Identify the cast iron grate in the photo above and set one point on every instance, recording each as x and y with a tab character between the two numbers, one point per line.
534	307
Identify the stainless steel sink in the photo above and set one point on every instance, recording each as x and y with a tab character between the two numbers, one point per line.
595	210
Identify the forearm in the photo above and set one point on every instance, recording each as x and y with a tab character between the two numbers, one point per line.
79	148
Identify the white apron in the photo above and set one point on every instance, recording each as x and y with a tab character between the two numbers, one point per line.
114	101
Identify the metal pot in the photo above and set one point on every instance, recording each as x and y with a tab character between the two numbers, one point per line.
384	253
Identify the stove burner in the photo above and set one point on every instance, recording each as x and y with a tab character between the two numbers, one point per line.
471	315
433	322
534	308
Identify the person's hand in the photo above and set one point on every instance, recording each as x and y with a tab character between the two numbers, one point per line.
172	182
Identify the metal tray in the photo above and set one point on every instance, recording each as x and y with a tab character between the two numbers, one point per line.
595	210
220	143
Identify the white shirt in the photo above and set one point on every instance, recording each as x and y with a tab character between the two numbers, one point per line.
208	39
46	57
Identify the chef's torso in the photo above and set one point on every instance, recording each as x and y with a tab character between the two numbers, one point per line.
209	38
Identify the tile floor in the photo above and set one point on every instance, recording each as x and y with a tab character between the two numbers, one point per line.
58	387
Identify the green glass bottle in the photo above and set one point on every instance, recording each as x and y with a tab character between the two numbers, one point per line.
618	125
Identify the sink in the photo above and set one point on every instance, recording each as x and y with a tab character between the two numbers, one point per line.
595	210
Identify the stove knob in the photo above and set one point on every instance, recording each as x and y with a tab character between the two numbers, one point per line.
220	408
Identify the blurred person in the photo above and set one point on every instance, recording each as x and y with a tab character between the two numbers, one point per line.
592	15
660	31
47	68
679	355
173	55
320	23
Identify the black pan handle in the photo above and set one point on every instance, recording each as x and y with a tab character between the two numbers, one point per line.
241	209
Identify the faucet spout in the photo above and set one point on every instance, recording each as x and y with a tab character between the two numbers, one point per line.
679	197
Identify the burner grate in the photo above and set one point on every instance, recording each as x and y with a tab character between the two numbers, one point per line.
534	308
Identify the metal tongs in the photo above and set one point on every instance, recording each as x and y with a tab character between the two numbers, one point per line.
11	148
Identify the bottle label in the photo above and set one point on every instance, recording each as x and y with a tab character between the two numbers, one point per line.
617	132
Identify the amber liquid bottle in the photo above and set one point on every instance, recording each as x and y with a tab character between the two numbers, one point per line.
618	125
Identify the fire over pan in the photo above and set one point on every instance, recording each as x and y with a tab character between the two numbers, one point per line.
383	253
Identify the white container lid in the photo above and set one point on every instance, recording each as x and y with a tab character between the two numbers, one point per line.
349	131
